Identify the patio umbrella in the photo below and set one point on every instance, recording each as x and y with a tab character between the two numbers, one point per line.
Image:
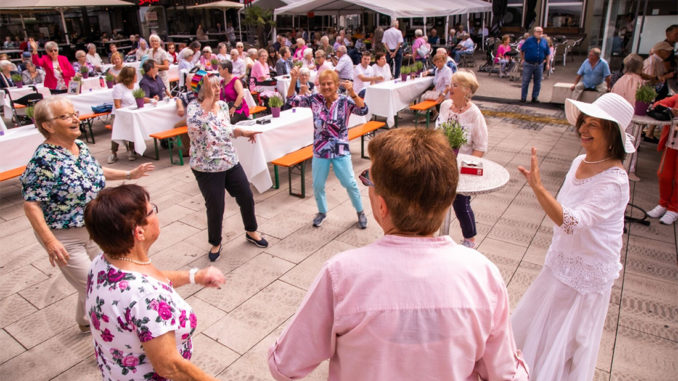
223	5
60	5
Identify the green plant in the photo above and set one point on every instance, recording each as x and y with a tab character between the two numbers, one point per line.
77	78
214	62
419	65
110	77
30	112
17	78
138	93
405	70
260	19
275	101
84	70
297	63
646	94
456	135
142	72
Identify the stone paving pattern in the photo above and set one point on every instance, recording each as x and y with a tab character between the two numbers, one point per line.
237	324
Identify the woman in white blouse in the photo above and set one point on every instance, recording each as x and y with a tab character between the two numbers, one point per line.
93	57
559	321
122	97
460	108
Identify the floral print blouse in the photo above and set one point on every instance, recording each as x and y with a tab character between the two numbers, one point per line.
126	309
330	126
211	138
62	183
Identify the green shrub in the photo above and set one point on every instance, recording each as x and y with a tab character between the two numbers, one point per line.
456	135
138	93
646	94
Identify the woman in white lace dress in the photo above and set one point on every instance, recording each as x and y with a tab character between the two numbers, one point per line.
559	321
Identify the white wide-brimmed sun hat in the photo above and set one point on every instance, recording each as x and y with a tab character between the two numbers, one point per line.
609	106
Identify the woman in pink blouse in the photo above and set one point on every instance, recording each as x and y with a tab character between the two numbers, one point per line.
410	305
260	70
501	58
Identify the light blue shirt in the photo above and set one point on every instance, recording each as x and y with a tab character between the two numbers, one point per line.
593	76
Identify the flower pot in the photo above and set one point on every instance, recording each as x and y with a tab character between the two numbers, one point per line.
140	102
456	151
275	111
85	75
641	108
403	77
19	84
110	84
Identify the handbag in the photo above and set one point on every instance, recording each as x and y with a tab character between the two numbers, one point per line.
430	95
105	107
660	112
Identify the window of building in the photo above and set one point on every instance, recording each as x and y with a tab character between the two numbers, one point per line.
514	13
564	13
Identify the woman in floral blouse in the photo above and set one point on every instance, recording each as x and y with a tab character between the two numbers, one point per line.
142	327
331	112
215	163
59	181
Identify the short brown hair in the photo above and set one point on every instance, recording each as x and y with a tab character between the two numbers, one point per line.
112	216
126	75
415	171
611	130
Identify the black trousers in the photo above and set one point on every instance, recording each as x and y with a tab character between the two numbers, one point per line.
212	185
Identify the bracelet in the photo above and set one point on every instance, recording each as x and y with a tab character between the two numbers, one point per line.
128	175
191	275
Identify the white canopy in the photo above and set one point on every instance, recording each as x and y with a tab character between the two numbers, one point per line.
223	4
393	8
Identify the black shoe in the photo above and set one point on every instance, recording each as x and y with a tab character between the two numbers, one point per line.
260	243
362	220
535	100
523	101
213	256
318	220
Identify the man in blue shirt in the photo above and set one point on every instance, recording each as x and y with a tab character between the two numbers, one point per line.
534	52
593	74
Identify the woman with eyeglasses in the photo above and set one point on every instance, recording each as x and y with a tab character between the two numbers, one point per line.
142	327
410	303
59	181
58	70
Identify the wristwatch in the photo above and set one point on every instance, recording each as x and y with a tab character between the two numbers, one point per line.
191	275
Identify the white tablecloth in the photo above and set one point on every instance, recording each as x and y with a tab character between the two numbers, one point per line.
387	98
91	84
17	93
83	102
284	82
135	125
293	130
17	146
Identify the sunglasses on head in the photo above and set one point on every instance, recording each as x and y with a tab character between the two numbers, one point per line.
365	178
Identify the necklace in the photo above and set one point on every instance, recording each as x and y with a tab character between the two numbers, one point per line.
148	262
597	161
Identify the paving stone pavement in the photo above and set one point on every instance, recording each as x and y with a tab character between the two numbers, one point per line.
238	323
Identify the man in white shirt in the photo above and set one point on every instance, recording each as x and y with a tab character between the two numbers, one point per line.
344	65
463	47
393	40
380	70
239	69
363	75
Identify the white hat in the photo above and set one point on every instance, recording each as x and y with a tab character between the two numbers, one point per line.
605	107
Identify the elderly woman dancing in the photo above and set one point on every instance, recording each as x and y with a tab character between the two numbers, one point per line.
409	305
559	321
142	326
59	181
58	71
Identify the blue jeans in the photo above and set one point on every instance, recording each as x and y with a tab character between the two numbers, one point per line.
457	55
530	70
343	169
398	62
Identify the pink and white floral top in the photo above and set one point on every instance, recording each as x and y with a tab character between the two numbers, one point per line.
211	137
126	309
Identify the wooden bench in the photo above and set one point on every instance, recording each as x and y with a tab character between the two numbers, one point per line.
172	137
297	159
87	120
12	173
257	110
423	106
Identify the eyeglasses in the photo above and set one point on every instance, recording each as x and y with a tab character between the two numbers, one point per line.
365	178
66	117
154	209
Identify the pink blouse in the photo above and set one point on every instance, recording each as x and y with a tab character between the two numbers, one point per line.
260	70
501	51
403	308
627	85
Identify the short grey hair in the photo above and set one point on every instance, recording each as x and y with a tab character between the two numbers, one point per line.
596	51
6	63
153	37
80	53
341	48
44	111
418	33
90	46
633	63
186	53
325	39
394	23
304	71
51	45
206	88
308	52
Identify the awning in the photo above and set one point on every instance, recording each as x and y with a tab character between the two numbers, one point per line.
393	8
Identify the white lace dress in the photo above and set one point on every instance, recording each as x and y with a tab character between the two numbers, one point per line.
559	321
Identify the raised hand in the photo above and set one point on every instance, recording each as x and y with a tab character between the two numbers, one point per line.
532	176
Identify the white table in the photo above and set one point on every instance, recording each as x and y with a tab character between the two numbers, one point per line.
83	102
494	178
385	99
293	130
635	129
91	84
17	146
17	93
135	125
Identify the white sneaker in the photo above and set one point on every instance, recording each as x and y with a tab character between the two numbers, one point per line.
669	218
112	158
132	156
657	212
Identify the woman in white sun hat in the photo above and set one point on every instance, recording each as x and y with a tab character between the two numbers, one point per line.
559	321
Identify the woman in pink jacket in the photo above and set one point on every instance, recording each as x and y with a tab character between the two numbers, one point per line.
58	70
